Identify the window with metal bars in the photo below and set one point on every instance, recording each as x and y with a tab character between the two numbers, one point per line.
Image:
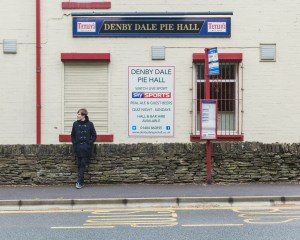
223	88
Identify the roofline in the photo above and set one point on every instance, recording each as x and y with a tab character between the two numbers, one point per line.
149	13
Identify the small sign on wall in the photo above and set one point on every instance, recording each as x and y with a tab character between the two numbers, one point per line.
208	119
151	101
213	62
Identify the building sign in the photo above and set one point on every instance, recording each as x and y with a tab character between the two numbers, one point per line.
151	27
151	101
208	119
213	62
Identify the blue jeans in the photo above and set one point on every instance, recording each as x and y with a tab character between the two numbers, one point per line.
81	168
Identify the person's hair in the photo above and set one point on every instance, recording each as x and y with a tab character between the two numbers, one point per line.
83	112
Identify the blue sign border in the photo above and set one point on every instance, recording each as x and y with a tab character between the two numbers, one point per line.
182	27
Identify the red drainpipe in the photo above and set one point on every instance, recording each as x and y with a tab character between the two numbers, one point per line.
38	72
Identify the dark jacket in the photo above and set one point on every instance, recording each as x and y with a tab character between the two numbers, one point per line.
83	137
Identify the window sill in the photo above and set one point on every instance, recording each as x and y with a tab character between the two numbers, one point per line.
100	138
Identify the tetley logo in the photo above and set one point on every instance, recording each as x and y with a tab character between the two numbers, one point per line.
86	26
216	26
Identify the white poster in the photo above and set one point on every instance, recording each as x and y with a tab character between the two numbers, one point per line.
151	101
208	119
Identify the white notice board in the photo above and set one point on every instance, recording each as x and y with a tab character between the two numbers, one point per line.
151	101
208	119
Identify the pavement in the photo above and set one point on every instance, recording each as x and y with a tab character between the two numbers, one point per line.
147	195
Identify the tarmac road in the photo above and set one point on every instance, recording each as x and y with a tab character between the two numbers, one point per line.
208	223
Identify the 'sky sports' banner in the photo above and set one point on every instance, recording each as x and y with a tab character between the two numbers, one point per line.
151	27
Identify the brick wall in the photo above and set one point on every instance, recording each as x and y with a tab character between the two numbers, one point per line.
151	163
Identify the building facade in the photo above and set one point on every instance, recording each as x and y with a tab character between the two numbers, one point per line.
139	68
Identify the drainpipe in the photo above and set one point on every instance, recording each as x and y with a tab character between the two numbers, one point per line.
38	72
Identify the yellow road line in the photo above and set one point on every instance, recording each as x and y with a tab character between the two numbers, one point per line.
261	220
212	225
130	220
81	227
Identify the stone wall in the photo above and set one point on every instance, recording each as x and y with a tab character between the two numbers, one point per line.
151	163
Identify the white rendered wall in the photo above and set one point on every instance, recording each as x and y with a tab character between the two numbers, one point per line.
17	73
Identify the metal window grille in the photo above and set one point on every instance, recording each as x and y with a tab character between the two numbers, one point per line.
223	87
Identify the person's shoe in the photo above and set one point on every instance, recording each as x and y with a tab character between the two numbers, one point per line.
78	185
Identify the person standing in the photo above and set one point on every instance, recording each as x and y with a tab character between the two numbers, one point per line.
83	137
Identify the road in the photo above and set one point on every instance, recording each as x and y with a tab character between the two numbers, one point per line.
209	223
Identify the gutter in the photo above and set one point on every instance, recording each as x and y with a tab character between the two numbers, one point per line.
158	202
149	13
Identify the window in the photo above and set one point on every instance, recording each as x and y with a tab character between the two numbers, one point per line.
223	87
86	86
